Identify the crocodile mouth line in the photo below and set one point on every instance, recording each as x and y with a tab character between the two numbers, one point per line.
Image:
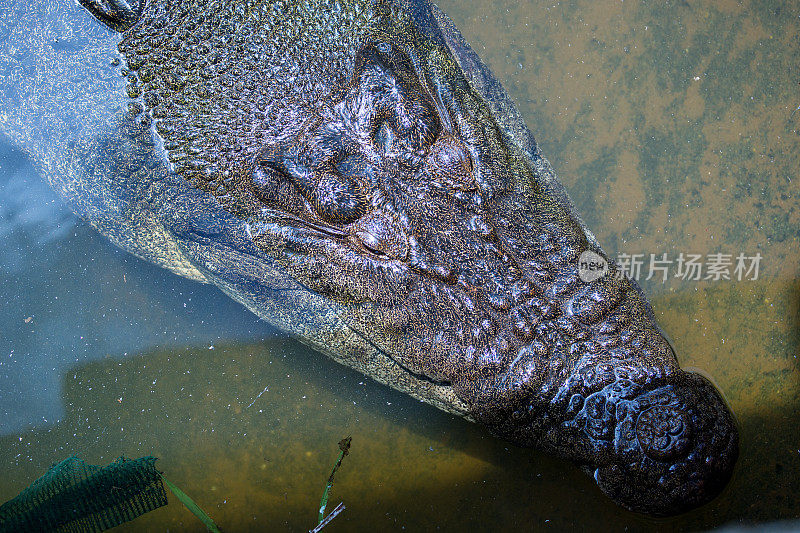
417	375
274	221
286	220
273	226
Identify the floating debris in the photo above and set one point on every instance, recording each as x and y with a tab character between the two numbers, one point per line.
344	449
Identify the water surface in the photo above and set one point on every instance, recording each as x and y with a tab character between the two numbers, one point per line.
671	126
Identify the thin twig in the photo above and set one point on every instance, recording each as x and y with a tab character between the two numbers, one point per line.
344	449
338	509
257	397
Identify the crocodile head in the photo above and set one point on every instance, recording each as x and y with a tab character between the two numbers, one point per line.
362	186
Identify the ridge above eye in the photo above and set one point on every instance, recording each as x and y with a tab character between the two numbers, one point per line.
398	101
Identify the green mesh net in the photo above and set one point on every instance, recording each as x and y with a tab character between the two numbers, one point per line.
75	497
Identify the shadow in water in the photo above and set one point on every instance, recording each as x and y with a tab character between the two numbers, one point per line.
250	431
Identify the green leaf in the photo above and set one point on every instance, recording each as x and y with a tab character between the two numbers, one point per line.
193	507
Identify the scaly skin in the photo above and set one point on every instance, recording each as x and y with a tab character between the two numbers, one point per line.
351	172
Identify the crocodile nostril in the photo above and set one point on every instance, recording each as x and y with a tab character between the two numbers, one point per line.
664	432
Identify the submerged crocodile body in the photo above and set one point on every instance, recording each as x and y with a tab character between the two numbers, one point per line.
352	173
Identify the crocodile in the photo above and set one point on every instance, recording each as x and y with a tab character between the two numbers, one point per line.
351	172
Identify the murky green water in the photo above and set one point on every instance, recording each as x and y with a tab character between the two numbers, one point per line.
670	125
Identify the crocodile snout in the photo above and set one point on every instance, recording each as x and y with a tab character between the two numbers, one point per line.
674	448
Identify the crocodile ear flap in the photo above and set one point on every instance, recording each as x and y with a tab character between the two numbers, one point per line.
119	15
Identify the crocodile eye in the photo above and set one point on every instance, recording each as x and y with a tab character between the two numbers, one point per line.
385	139
336	198
381	234
450	163
371	242
354	167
